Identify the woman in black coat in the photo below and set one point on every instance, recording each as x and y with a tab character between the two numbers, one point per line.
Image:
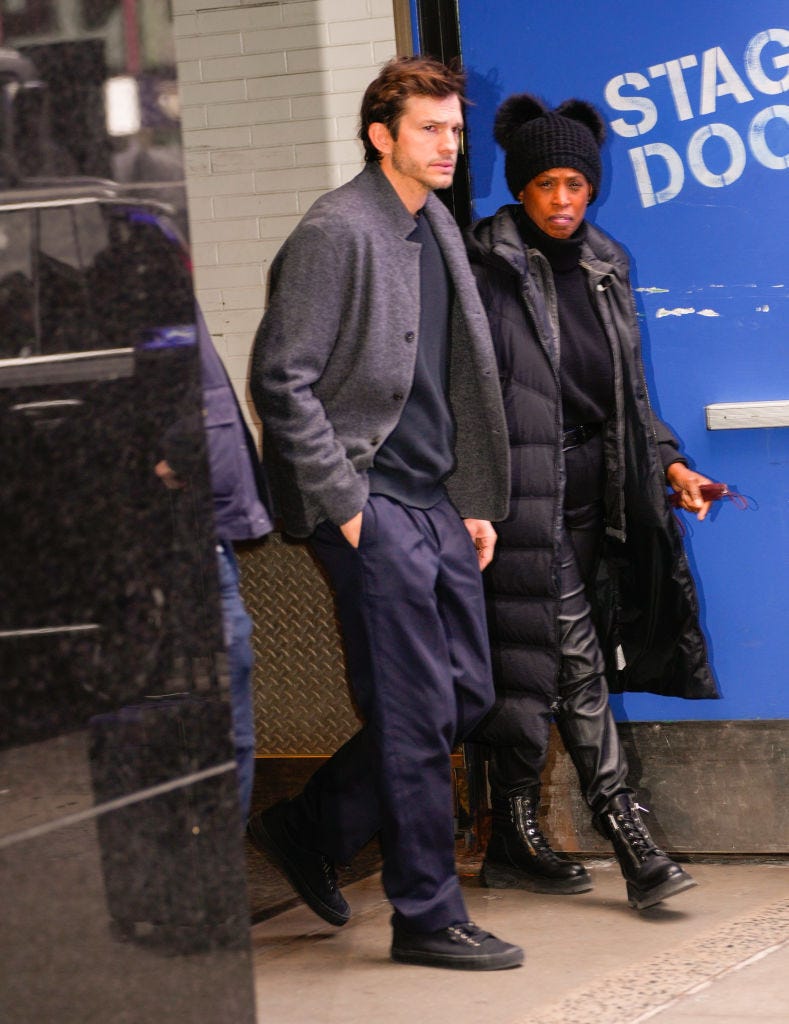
590	581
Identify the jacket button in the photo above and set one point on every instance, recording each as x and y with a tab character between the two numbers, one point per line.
376	440
397	397
410	336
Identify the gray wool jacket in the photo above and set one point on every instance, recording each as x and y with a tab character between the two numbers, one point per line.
334	356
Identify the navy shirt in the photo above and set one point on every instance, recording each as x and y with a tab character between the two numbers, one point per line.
417	456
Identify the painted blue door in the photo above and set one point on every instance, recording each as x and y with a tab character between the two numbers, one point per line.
696	186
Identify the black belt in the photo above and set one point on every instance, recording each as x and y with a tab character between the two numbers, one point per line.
577	436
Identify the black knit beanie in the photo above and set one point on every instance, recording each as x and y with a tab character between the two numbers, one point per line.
535	139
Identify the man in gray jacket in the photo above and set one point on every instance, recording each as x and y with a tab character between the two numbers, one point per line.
384	438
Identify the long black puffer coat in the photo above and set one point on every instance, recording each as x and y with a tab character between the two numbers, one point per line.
644	602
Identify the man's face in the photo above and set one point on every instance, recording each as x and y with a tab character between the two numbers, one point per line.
424	154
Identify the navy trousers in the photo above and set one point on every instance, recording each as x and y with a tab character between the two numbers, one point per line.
411	608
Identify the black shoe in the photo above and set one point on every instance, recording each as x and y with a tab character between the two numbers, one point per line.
520	857
650	874
463	947
310	873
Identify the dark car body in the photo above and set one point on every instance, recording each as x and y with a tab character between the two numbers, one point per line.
98	360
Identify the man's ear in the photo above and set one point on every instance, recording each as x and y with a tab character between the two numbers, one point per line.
380	136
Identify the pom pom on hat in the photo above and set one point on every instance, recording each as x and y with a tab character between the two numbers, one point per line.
535	139
513	114
585	113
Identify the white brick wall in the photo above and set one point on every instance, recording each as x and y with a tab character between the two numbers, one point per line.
270	94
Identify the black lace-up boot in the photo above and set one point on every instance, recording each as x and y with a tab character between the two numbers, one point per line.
520	857
651	875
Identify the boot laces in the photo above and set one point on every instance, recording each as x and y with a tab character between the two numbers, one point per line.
525	822
636	834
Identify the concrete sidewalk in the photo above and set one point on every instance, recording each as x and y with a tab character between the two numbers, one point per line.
718	953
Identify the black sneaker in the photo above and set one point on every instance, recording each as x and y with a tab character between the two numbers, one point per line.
461	946
310	873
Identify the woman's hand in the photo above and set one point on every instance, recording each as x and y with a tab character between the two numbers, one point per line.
687	485
484	537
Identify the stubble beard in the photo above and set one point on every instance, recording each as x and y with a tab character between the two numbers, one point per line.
421	175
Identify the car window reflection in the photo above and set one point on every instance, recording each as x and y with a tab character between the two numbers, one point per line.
85	276
17	300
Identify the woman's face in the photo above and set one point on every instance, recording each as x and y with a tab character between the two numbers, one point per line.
556	200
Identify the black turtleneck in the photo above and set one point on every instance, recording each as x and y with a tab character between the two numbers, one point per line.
586	370
586	374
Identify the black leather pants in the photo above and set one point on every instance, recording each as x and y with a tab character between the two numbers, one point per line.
583	717
581	711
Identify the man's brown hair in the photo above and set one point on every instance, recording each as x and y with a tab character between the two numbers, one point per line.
399	79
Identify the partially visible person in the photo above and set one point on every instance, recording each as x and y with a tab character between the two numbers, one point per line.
590	581
384	434
239	492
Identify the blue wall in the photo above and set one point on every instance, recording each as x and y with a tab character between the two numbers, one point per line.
707	227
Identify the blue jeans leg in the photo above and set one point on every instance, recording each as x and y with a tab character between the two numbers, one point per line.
237	627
